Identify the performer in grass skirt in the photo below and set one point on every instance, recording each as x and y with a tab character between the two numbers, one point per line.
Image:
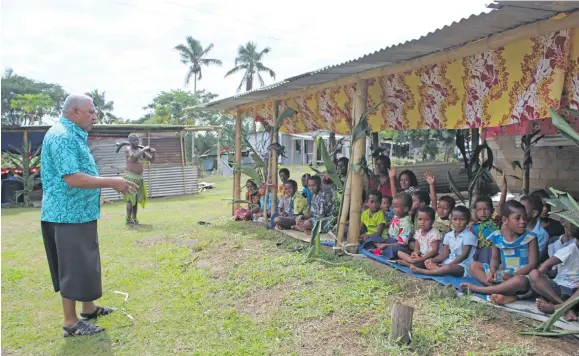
135	156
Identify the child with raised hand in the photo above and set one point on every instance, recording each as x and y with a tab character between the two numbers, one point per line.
373	221
513	247
458	249
426	240
566	284
443	207
400	229
534	206
407	181
483	228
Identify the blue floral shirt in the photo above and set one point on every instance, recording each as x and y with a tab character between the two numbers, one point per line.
64	152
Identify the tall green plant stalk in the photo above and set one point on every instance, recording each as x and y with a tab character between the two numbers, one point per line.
24	161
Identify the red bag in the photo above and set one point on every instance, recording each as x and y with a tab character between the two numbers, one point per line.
242	214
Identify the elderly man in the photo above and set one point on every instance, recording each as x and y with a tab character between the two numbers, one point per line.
70	210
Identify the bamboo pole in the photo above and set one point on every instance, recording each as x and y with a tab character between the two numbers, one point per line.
274	138
345	212
183	162
358	151
487	44
150	182
218	152
237	175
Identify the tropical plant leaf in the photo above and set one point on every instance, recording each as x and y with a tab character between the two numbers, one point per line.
454	188
288	112
563	127
251	172
515	177
329	163
573	219
534	142
361	128
317	171
475	179
516	164
570	111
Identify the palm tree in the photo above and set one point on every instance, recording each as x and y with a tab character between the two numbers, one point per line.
102	107
193	54
249	60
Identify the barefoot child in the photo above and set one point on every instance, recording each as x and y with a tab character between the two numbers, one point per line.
426	240
321	206
483	228
566	284
518	249
373	220
458	251
291	205
513	246
400	229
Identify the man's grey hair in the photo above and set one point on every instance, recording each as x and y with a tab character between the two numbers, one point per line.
74	101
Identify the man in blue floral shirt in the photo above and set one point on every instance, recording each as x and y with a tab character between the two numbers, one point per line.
70	210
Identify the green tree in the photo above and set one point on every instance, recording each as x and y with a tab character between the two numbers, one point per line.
194	55
103	107
249	60
14	85
174	107
30	108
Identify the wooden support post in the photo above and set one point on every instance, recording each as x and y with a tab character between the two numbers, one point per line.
292	149
358	151
218	152
345	212
237	175
273	156
181	139
401	321
150	182
315	153
304	157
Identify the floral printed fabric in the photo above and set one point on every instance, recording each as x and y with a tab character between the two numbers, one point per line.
65	152
322	205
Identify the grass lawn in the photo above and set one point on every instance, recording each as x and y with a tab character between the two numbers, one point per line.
236	289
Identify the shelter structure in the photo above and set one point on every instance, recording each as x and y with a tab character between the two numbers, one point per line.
504	67
170	174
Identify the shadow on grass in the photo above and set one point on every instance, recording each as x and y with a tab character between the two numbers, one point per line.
87	345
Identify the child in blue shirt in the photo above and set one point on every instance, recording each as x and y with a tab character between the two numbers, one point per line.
458	250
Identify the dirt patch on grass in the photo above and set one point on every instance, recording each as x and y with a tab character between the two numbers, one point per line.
150	241
185	242
262	303
501	333
334	336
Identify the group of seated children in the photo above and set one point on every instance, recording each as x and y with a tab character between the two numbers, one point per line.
508	252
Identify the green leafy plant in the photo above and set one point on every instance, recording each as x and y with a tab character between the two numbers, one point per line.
329	164
564	206
546	327
563	126
24	160
478	171
242	201
527	143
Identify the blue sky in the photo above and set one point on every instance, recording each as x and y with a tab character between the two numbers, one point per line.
125	47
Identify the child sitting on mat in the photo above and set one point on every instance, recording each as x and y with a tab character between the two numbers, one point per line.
513	247
458	249
372	219
263	211
483	228
534	207
399	232
426	240
321	206
566	284
386	208
443	208
291	205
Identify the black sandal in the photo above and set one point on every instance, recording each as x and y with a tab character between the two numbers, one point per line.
100	311
82	328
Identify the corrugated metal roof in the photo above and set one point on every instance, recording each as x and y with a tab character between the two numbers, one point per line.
505	15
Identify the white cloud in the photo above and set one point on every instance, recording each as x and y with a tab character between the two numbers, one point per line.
126	47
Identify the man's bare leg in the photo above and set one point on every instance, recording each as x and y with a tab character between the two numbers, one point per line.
134	216
444	270
129	211
69	308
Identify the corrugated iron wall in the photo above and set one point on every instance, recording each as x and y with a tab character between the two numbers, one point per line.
164	177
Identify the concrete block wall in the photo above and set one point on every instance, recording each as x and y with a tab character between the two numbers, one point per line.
556	167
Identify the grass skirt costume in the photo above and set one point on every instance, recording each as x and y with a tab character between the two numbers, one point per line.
140	196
